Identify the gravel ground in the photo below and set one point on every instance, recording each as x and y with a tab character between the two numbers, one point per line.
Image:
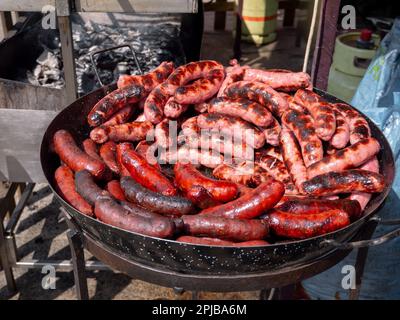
41	232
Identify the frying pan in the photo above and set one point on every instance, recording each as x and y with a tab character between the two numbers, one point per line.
202	259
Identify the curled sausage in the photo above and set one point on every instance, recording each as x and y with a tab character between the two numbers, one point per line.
132	131
347	158
304	225
345	181
248	110
143	172
110	212
174	109
302	127
74	157
64	178
187	177
233	126
224	228
258	92
252	204
154	201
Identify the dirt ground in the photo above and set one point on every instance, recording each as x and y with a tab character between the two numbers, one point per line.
41	232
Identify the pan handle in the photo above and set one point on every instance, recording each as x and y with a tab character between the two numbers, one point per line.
367	243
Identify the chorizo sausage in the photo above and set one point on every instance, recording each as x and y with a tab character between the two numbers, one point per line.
174	109
90	147
272	132
143	172
252	204
347	158
114	188
154	201
258	92
224	228
65	183
207	158
69	153
304	225
345	181
148	151
186	177
121	116
107	153
342	134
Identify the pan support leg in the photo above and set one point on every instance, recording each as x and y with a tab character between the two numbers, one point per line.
78	262
5	262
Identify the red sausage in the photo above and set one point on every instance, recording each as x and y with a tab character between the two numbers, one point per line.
282	80
65	183
207	158
143	172
201	197
90	147
114	188
292	158
75	158
148	150
200	90
272	132
345	181
122	169
251	205
274	167
303	128
248	110
233	74
174	109
132	131
113	102
347	158
313	206
302	226
121	116
186	177
150	80
232	126
224	228
110	212
342	134
258	92
107	153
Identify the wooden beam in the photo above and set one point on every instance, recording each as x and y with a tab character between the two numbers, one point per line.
25	5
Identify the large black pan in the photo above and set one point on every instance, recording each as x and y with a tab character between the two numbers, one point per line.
200	259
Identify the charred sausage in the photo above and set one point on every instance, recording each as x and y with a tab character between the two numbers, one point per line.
121	116
87	188
342	134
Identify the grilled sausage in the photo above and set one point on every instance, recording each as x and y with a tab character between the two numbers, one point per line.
110	212
304	225
154	201
232	126
201	197
121	116
281	80
200	90
90	147
218	242
107	153
347	158
174	109
224	228
207	158
272	132
74	157
359	128
362	197
187	177
132	131
246	173
273	151
251	205
150	80
249	111
294	105
314	205
143	172
233	74
275	168
87	188
342	134
64	178
148	151
302	127
123	171
344	181
258	92
114	188
165	133
113	102
155	102
322	113
292	158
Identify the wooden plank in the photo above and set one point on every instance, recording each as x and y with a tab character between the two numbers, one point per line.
325	43
20	95
22	133
137	6
25	5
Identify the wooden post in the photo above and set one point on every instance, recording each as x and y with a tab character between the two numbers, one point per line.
325	44
5	24
220	17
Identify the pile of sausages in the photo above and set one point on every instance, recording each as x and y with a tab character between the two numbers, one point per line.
311	169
